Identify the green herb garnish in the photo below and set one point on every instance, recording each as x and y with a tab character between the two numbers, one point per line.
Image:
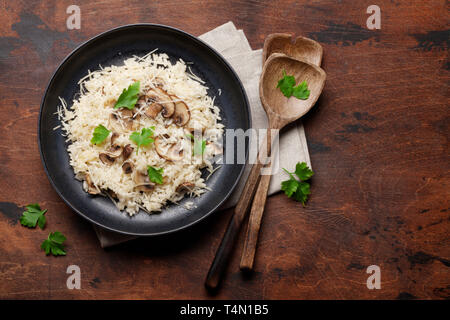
298	187
199	145
155	174
100	134
288	88
34	215
54	244
129	97
301	91
144	138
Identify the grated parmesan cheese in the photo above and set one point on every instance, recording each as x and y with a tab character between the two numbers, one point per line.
93	106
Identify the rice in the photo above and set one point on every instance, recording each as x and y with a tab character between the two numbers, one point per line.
93	106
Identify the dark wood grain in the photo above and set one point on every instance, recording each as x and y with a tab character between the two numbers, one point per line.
378	138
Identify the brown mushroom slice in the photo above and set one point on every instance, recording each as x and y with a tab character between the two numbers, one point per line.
159	101
127	117
142	182
181	116
122	122
114	136
127	167
142	101
173	153
113	152
92	189
153	110
166	102
185	187
106	159
127	151
159	142
144	187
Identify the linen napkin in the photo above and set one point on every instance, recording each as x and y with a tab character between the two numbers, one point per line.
235	48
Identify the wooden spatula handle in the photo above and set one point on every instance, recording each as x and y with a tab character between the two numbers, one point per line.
225	249
254	224
223	253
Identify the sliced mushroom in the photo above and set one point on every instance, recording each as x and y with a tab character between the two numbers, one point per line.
92	189
106	159
167	103
113	152
181	116
174	152
159	101
153	110
185	187
127	167
142	182
122	122
114	136
127	151
142	101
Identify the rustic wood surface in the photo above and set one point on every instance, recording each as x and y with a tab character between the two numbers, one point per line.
378	138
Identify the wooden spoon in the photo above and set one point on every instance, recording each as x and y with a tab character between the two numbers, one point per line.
300	48
280	112
303	49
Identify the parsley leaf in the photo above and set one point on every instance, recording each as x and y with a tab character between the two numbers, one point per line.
301	91
301	195
34	215
54	244
288	88
155	174
303	172
298	188
199	145
100	134
144	138
289	187
286	84
129	97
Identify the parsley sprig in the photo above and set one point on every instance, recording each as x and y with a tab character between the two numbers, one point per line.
155	174
54	244
144	138
100	134
128	97
298	188
199	145
288	88
34	215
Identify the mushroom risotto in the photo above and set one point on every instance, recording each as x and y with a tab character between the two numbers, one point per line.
140	133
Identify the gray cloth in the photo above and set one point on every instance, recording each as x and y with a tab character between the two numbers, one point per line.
234	47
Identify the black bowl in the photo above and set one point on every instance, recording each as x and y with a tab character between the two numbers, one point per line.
112	47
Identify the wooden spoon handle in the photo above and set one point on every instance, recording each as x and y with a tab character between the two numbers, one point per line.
254	224
225	249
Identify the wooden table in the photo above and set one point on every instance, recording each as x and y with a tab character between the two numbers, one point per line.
378	138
